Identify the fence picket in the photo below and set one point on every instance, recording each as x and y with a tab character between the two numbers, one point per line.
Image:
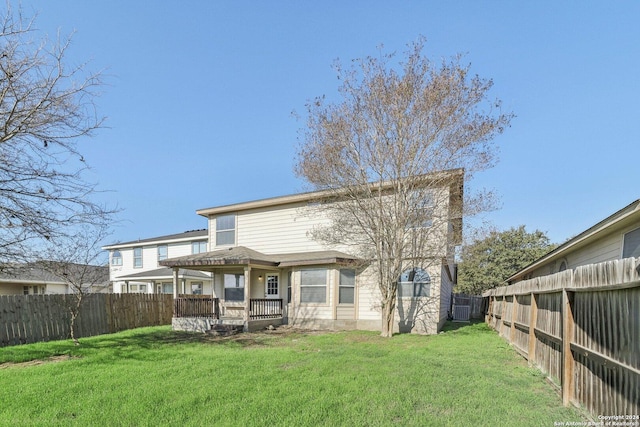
587	332
33	318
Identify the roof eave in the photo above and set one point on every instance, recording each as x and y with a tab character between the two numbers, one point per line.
585	236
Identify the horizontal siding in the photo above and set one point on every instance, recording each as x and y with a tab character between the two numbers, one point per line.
368	296
149	258
445	291
282	230
606	248
345	313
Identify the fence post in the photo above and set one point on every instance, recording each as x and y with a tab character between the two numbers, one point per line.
568	362
533	320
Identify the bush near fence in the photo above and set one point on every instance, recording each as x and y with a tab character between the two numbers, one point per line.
580	327
33	318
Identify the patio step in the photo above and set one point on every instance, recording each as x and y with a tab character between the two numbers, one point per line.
225	329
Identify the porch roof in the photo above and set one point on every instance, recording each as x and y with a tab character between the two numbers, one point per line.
164	273
240	255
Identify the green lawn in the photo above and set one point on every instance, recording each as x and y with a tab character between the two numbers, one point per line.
154	376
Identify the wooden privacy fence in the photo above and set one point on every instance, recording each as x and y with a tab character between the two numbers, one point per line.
580	327
466	307
32	318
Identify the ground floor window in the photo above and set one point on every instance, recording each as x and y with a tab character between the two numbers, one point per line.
234	287
165	288
313	286
138	288
33	290
196	288
346	290
414	283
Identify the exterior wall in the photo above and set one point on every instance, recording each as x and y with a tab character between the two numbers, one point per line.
606	248
18	288
57	288
446	292
281	229
34	288
421	315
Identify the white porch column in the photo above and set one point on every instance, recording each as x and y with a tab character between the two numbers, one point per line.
247	292
176	279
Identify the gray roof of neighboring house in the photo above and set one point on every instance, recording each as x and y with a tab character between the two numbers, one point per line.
36	272
240	255
164	273
192	234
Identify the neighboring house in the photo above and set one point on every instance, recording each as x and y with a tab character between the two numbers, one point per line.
265	265
33	279
134	266
615	237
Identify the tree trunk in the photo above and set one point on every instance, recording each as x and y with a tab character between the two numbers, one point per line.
388	315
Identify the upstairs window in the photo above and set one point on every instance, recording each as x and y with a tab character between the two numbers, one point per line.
116	257
414	283
137	257
199	247
631	245
163	251
421	210
226	230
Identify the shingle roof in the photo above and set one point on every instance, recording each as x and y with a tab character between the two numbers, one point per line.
192	234
240	255
36	273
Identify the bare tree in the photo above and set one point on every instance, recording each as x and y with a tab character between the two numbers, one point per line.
46	107
391	152
79	261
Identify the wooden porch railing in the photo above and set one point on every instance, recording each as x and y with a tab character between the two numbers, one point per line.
196	306
265	308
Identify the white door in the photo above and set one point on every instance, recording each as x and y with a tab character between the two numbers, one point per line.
272	287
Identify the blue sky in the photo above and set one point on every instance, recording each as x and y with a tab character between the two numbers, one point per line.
200	97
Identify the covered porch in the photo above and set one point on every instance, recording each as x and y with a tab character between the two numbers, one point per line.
246	291
250	288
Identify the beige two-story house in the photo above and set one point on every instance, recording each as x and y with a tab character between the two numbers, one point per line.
267	268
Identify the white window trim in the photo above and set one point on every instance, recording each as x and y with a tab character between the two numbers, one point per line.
114	258
226	230
141	257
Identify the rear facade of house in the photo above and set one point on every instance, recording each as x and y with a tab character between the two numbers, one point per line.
265	266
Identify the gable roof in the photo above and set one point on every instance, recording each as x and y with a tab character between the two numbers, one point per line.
454	177
35	272
186	236
622	218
